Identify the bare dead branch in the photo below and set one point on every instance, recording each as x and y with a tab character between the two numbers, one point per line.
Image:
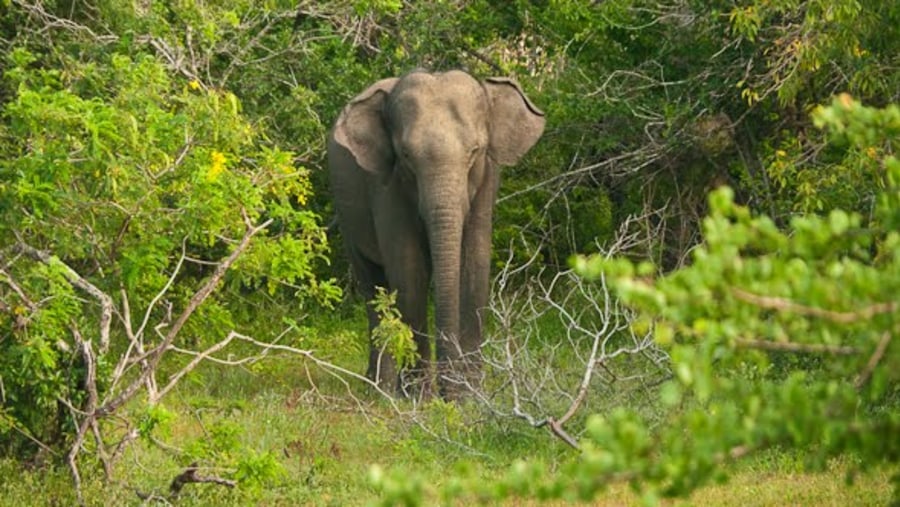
534	383
478	55
118	449
557	429
192	476
10	281
198	358
106	303
90	381
49	21
340	373
20	320
618	165
196	300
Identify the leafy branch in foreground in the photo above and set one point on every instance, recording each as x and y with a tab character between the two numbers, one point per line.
777	338
825	284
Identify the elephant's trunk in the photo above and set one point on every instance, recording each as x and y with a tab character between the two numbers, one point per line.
446	240
444	220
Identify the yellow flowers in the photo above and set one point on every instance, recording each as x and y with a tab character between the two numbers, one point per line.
194	85
846	100
750	96
216	166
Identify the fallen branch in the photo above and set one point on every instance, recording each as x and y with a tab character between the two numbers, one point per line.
557	429
190	476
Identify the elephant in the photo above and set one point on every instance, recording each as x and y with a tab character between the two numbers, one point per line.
414	171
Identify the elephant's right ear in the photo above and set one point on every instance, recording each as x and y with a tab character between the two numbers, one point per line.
361	129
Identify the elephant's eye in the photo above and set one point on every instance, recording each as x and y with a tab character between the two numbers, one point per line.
474	153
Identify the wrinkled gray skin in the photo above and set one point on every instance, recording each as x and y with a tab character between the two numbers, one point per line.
414	166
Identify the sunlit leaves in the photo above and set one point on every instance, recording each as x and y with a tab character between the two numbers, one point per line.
814	290
865	127
255	470
155	419
382	7
745	21
141	181
392	335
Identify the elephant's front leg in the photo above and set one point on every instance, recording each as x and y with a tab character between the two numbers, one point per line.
475	276
403	244
370	275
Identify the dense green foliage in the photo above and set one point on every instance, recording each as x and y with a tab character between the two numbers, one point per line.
142	142
779	338
122	185
825	287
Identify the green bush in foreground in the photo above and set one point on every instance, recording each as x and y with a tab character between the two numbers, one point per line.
778	338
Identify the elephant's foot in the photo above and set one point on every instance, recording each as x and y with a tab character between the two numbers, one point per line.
382	372
461	378
419	383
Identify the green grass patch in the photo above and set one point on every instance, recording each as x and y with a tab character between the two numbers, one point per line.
292	434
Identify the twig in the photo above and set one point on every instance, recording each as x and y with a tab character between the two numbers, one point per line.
557	429
327	366
777	303
874	360
811	348
196	300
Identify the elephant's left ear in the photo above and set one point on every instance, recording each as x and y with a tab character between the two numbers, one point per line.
515	123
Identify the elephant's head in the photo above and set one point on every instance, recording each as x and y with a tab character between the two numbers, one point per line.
441	137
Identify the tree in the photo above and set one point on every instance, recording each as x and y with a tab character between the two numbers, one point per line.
139	212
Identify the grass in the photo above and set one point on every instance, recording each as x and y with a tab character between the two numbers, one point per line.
299	447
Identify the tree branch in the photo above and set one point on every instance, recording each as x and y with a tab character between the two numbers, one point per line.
190	476
174	378
106	303
557	429
811	348
874	360
783	304
89	410
196	300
